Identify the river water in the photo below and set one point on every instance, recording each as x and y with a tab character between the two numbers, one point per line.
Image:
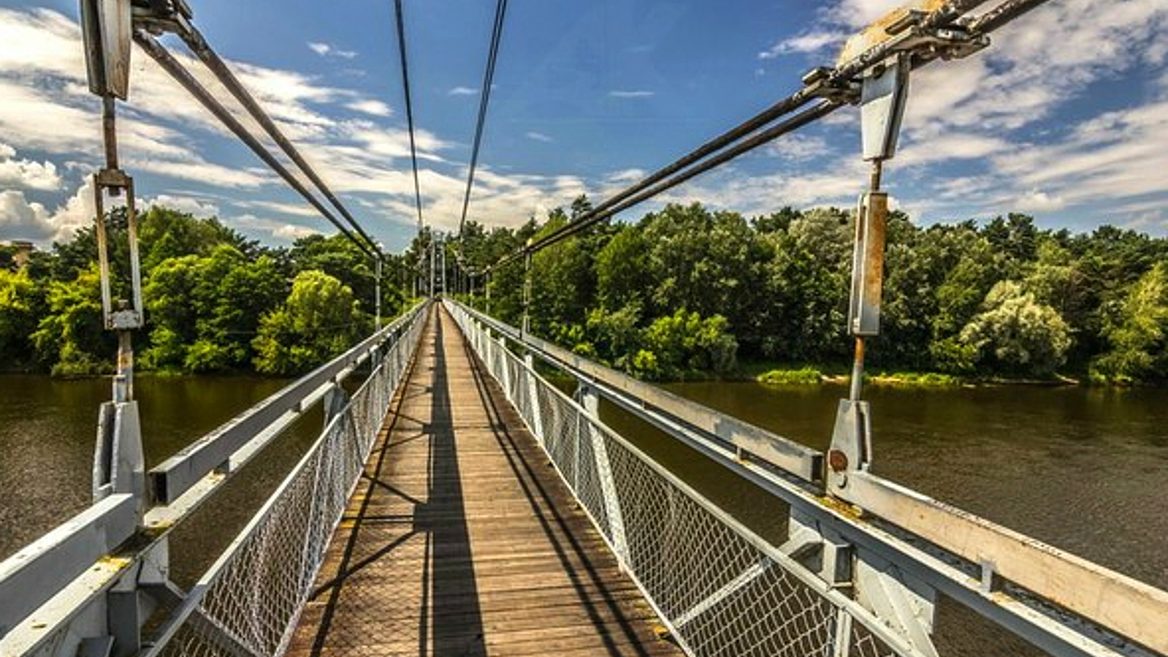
48	428
1084	469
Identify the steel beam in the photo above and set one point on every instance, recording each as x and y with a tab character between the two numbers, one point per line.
32	576
1125	605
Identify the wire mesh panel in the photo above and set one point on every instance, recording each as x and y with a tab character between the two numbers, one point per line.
247	604
720	588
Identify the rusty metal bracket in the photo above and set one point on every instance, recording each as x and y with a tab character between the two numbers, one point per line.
126	314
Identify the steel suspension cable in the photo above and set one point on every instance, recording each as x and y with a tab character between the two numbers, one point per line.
223	73
176	70
832	84
484	101
814	113
405	69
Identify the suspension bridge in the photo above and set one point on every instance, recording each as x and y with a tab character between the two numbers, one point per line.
461	500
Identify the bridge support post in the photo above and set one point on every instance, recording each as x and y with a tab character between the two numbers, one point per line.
590	401
526	328
112	624
377	293
883	99
336	399
532	392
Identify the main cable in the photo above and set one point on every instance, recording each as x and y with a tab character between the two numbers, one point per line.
401	44
835	86
612	207
199	46
484	101
172	66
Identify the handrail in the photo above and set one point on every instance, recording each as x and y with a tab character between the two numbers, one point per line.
177	474
798	460
59	560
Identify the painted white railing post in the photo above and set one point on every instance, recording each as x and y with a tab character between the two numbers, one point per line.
612	510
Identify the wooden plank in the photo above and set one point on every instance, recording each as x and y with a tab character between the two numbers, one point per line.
462	540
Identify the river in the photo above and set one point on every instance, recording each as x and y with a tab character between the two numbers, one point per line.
48	428
1081	468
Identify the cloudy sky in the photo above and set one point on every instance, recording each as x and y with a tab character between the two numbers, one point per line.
1065	118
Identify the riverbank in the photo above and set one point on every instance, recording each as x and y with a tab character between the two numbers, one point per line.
809	375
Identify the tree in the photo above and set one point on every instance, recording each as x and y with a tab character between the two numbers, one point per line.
319	321
173	311
615	336
340	258
19	305
1016	334
563	283
71	338
622	270
707	262
685	342
1139	339
806	289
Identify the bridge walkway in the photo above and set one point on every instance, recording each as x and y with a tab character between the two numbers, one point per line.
461	540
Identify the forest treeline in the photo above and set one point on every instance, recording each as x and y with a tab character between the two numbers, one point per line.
684	291
688	289
215	301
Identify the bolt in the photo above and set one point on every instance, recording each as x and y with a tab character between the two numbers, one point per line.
837	460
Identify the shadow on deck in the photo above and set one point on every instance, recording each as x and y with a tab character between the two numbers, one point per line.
462	541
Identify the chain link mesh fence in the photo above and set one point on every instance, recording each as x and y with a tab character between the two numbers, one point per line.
722	590
247	603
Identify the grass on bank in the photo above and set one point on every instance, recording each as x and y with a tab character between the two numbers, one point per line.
808	375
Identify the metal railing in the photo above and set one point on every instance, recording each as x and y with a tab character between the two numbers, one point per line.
843	582
100	578
250	599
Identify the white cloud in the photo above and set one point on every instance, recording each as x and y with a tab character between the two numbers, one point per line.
297	209
191	205
635	93
22	219
538	136
462	91
327	50
27	174
372	107
1038	201
991	114
796	147
625	176
271	229
807	42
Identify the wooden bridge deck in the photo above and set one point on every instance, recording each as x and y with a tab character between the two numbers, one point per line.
461	540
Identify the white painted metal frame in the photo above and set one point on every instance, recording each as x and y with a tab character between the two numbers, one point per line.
62	579
1063	604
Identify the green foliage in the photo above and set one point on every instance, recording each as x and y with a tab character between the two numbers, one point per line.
70	338
206	289
20	302
1139	336
685	288
685	342
915	379
616	336
801	376
319	321
1015	334
622	269
781	281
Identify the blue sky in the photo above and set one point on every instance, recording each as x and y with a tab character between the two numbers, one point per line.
1066	117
